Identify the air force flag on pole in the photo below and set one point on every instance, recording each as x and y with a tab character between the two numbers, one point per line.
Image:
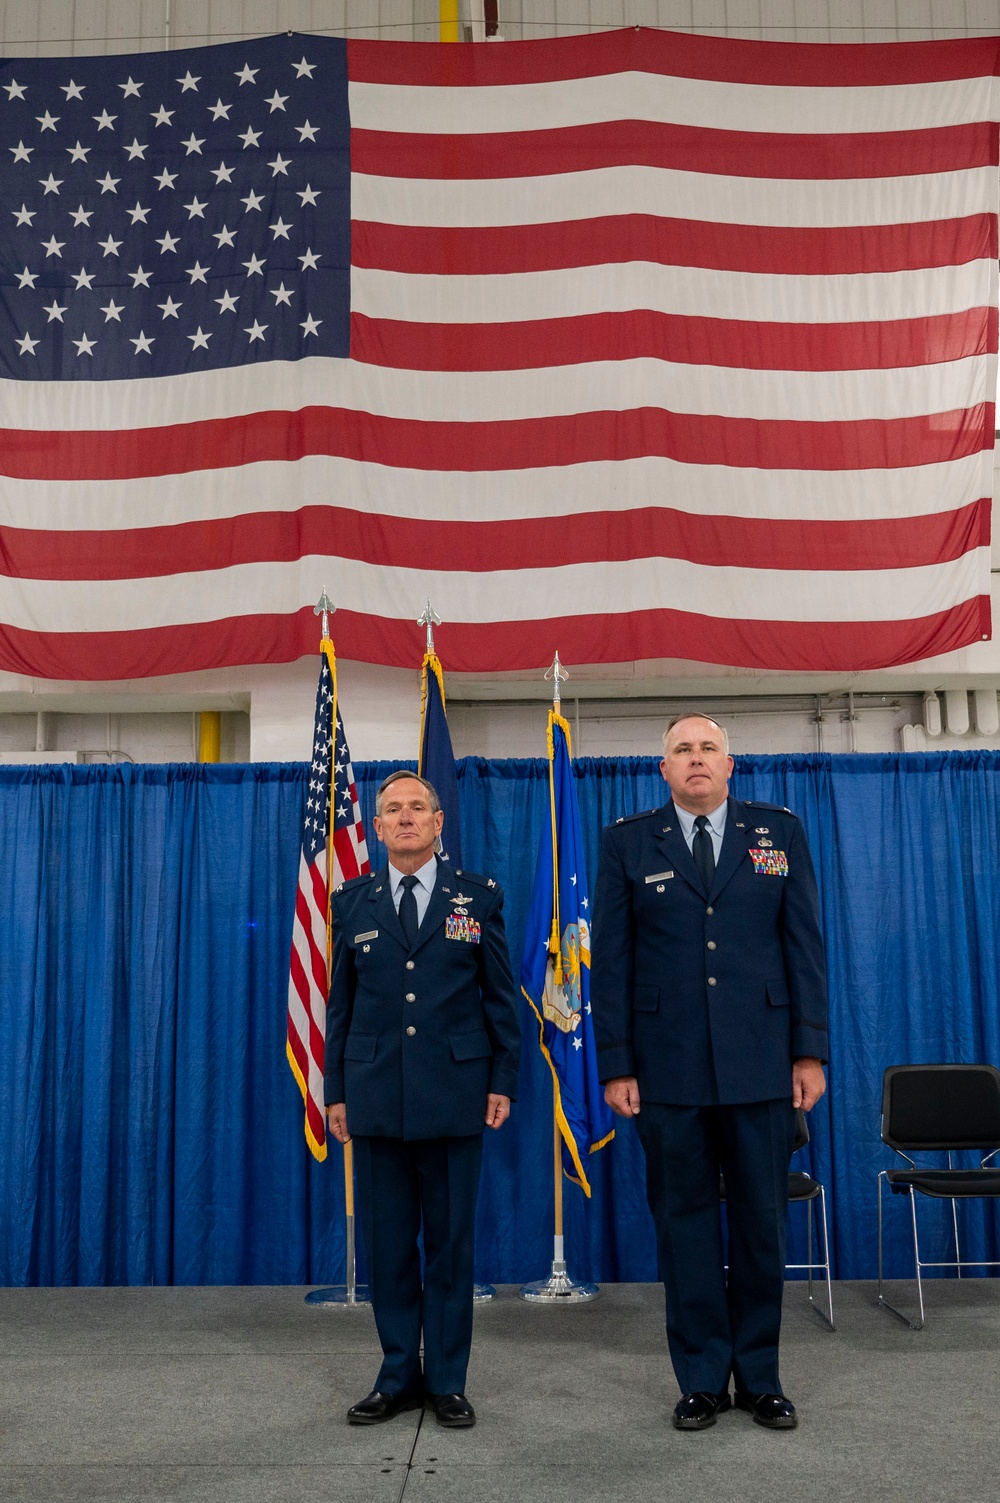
555	970
436	761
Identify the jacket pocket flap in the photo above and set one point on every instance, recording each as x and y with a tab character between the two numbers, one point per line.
470	1046
777	992
361	1046
646	998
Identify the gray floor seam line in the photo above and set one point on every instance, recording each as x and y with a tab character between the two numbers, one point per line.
413	1452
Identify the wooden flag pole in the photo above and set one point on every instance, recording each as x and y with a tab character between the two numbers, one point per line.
350	1292
559	1246
349	1250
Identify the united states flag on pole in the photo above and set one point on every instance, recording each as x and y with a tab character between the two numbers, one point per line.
328	858
659	345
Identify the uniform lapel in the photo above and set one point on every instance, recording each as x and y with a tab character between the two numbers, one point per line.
670	838
736	841
386	917
439	905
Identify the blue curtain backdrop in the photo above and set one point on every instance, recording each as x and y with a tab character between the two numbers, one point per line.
151	1131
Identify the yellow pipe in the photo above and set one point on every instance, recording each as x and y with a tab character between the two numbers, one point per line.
448	20
210	736
558	1162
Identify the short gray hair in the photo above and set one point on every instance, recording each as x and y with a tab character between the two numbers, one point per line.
395	777
697	715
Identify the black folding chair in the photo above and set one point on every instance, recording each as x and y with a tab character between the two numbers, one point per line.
803	1188
939	1109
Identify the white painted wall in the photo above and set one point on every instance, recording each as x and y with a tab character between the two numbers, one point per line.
268	710
49	28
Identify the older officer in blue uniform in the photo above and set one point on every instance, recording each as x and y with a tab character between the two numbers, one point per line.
708	991
422	1052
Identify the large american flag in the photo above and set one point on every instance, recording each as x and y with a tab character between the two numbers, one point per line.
634	345
325	862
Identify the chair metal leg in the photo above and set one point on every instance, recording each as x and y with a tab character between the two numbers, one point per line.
825	1264
916	1258
954	1222
916	1254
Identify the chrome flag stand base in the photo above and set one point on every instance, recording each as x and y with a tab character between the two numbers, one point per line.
338	1296
483	1293
559	1288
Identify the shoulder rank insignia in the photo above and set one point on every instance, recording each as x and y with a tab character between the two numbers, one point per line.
477	878
643	814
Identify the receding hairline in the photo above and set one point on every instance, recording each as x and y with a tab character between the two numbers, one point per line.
696	715
411	777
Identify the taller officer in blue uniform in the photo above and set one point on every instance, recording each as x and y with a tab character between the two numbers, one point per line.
422	1051
708	989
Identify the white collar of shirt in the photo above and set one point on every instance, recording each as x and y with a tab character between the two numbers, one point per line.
716	821
426	876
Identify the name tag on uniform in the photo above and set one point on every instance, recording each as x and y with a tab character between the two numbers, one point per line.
769	863
659	877
359	939
460	926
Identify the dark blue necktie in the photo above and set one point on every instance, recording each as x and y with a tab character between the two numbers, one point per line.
704	852
408	909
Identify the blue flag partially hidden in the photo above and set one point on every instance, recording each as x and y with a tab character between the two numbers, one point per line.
436	761
555	969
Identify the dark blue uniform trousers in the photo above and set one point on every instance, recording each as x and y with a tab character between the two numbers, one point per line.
401	1184
717	1326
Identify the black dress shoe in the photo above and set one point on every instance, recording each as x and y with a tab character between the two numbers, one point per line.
452	1410
696	1411
772	1410
379	1407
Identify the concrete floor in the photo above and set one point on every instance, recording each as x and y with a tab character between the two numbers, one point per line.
218	1395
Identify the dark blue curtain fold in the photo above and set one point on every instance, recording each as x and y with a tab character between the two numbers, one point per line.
151	1131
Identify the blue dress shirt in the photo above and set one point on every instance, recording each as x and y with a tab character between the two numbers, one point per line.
426	876
716	827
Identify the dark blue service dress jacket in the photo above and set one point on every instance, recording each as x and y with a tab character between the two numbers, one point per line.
416	1038
707	997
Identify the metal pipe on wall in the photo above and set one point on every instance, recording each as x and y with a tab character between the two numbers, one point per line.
210	736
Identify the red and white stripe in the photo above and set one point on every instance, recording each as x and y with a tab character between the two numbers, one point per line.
308	985
308	975
662	346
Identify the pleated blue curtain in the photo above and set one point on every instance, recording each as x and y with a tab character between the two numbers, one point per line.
151	1131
